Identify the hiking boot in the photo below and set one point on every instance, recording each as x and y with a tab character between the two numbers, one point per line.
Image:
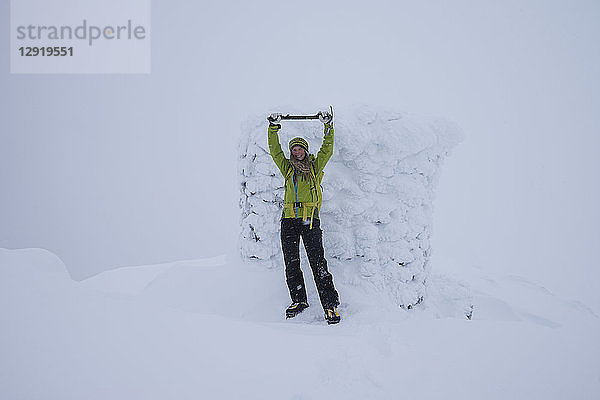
332	316
295	309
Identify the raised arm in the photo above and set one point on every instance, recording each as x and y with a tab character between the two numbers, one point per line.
275	149
326	150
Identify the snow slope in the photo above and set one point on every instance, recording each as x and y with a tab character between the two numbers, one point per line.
214	328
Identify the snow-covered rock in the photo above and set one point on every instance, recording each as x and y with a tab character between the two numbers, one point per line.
378	192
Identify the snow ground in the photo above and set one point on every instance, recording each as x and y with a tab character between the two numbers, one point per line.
172	331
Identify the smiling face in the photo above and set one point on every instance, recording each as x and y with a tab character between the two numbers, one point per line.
298	152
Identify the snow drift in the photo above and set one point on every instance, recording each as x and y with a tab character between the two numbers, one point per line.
212	328
377	198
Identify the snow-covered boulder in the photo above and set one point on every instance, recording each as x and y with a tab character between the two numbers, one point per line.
378	191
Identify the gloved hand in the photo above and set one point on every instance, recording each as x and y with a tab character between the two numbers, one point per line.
325	117
274	119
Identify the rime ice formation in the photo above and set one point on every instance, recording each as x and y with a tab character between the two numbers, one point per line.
378	191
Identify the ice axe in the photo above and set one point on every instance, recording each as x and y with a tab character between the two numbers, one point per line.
302	117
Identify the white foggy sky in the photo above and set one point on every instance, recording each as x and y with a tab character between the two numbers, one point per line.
108	170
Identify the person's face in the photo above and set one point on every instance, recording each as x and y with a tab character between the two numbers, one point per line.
298	152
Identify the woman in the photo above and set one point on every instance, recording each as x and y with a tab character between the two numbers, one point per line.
303	173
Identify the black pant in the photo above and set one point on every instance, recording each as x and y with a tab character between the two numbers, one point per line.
291	231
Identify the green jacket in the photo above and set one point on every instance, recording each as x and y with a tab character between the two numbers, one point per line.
308	191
